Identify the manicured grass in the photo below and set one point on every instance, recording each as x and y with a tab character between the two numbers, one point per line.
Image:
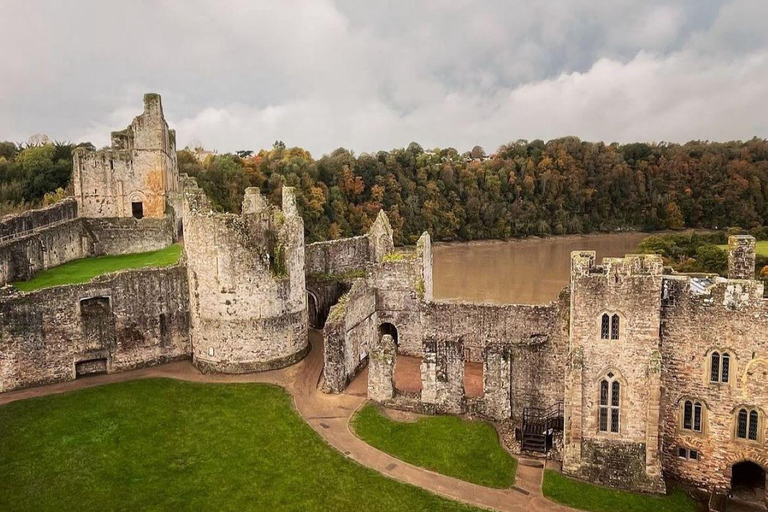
163	445
581	495
83	270
468	450
761	248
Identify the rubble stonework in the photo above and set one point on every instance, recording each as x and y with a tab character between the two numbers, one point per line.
138	169
246	287
246	283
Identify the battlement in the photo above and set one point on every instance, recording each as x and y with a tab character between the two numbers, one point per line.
631	265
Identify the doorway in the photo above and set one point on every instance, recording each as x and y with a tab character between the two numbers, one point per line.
748	482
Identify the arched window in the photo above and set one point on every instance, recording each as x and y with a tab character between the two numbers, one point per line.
720	367
692	416
610	326
747	423
605	326
610	399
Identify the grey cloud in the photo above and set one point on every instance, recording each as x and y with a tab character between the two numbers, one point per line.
374	75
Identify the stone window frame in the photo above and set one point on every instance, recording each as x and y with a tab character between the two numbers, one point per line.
732	366
617	376
687	457
760	425
681	404
622	321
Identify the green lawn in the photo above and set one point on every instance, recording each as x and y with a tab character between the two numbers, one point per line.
761	248
164	445
83	270
468	450
581	495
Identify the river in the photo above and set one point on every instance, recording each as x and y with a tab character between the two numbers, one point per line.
530	271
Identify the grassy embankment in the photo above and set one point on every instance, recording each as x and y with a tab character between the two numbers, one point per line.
85	269
584	496
166	445
468	450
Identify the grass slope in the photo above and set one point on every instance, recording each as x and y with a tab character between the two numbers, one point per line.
163	445
468	450
581	495
83	270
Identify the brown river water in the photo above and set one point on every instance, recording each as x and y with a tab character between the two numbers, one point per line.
531	271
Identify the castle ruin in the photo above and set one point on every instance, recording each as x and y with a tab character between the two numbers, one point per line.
635	373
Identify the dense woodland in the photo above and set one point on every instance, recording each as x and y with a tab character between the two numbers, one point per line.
525	188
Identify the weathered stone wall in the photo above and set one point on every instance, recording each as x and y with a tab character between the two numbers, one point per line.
351	328
247	283
21	257
139	167
442	375
536	341
128	235
730	317
128	319
321	296
381	374
337	257
630	288
741	257
16	225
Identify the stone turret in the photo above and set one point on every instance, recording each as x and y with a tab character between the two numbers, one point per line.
246	283
741	257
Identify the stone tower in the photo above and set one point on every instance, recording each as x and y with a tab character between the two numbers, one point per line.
246	283
133	177
741	257
613	382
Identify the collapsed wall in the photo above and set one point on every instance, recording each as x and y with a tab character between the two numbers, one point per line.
58	334
246	283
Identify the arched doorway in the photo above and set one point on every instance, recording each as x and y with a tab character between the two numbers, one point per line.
748	482
388	328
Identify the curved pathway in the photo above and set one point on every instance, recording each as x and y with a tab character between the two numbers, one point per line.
329	415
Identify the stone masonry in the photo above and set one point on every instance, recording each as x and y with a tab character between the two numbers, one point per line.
659	374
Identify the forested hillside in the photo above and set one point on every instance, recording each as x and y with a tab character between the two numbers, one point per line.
28	173
526	188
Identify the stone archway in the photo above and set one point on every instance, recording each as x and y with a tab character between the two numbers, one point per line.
748	482
313	311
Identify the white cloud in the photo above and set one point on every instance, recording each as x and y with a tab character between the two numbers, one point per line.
320	74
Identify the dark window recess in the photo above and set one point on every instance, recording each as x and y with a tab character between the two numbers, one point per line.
615	327
714	375
137	210
682	452
742	426
605	327
687	415
693	455
726	367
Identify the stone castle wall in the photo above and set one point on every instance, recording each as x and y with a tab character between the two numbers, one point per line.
730	317
630	288
128	235
21	224
139	167
54	334
246	284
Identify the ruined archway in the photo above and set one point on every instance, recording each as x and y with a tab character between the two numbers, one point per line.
388	328
748	482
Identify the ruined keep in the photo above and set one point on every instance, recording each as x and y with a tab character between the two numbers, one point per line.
632	375
136	175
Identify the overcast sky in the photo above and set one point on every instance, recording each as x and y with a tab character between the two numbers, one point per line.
240	74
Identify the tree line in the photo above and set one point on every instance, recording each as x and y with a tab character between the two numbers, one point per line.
526	188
